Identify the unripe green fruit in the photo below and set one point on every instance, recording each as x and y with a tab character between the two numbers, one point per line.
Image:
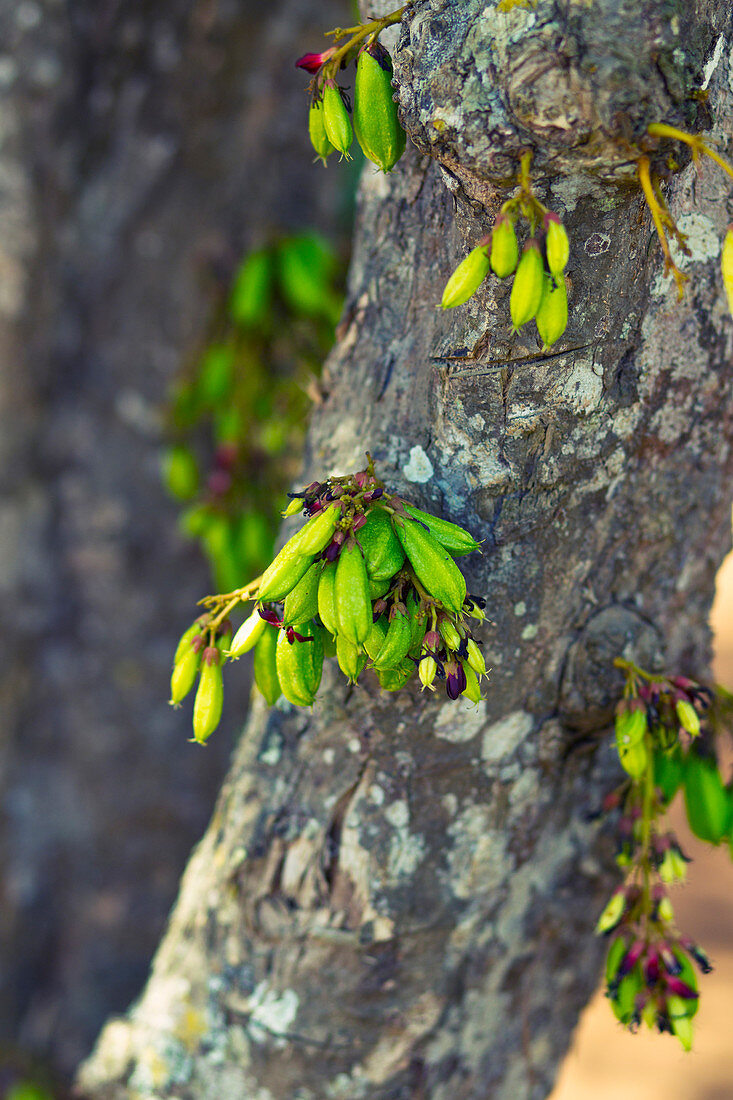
453	538
301	603
383	553
526	294
630	725
476	658
418	618
209	699
375	637
376	124
184	675
326	597
317	131
336	120
504	248
634	759
351	593
247	636
552	316
449	634
707	802
624	1003
433	565
396	643
616	954
318	531
300	665
265	666
668	772
557	244
472	689
467	278
187	637
282	575
392	679
351	659
688	717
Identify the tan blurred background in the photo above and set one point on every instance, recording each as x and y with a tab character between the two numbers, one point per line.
606	1062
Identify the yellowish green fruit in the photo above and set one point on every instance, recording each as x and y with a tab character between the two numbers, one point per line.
456	540
557	244
247	636
209	697
282	575
726	265
552	316
184	675
351	659
317	131
265	666
301	603
528	285
326	597
336	121
467	278
352	596
376	124
300	665
318	531
433	565
504	248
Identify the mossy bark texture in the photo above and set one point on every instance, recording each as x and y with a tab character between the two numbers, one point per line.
396	894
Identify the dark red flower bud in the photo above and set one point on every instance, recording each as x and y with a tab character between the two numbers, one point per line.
312	62
681	989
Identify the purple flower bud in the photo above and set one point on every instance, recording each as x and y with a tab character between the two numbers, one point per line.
681	989
630	959
377	493
651	968
431	640
269	616
455	681
332	551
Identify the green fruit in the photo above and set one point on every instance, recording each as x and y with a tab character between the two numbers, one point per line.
557	244
184	675
336	120
616	953
247	636
668	771
351	659
631	725
194	631
504	248
282	575
624	1003
526	294
377	589
318	531
472	689
300	665
634	759
418	620
453	538
375	637
301	603
552	316
706	799
467	278
317	131
180	473
326	597
265	666
392	679
376	124
351	593
383	553
209	698
396	643
433	565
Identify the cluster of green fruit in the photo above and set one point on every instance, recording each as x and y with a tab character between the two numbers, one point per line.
369	579
664	729
539	289
375	121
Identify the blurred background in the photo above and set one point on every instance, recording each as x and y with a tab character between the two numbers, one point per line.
172	269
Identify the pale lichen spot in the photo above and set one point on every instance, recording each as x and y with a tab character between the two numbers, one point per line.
272	1013
354	745
712	64
520	609
398	813
460	720
529	632
419	468
504	736
375	794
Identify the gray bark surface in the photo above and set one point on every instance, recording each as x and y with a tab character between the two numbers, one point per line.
396	894
134	141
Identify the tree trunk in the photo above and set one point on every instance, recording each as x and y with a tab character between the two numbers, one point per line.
396	894
134	139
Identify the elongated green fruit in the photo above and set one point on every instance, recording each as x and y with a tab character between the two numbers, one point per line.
383	553
668	771
247	636
453	538
282	575
378	588
351	592
526	294
467	278
351	659
184	675
376	124
557	244
634	759
186	638
300	665
375	637
301	603
472	689
624	1003
336	120
504	248
326	597
392	679
318	531
433	565
317	131
396	643
616	954
418	619
552	316
726	266
209	697
706	799
265	666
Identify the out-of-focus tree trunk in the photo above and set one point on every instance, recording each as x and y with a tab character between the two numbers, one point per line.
395	896
143	148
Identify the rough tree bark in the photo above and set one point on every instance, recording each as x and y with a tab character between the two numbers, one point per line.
395	895
133	141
